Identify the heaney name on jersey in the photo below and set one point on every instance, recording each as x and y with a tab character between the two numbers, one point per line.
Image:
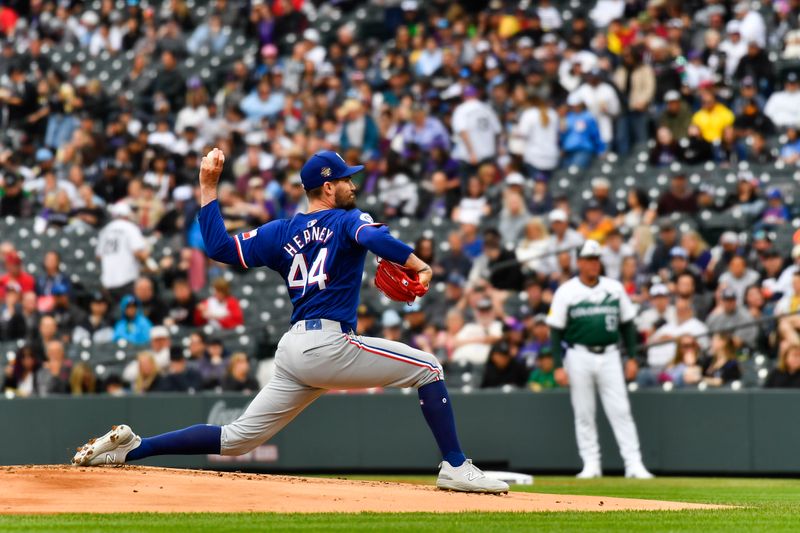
314	234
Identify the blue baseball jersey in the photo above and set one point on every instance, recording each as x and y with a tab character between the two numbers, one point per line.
320	256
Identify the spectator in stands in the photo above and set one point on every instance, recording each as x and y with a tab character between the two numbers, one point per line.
613	253
180	310
581	141
746	198
213	370
543	375
367	320
497	264
734	318
783	107
730	150
785	282
759	152
738	277
96	326
148	377
595	225
538	130
455	259
751	120
221	309
514	217
721	367
789	304
677	117
359	130
82	380
474	206
52	274
712	118
531	249
151	305
53	376
601	101
21	373
658	357
637	83
786	373
697	249
120	247
476	129
423	130
637	211
601	194
398	193
12	323
666	150
680	198
562	239
722	254
684	370
679	265
15	201
179	377
473	341
15	273
503	369
657	312
238	378
67	314
132	325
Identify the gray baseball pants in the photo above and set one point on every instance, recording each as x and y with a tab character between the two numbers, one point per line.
313	357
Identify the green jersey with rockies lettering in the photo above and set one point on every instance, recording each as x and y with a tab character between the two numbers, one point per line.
590	315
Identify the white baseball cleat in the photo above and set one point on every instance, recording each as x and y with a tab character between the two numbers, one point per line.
590	471
110	449
468	478
638	472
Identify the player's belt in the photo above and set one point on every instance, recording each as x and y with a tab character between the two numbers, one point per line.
320	324
597	349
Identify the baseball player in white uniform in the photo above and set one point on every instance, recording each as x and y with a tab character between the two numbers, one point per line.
588	315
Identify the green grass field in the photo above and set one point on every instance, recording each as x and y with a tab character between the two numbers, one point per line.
769	505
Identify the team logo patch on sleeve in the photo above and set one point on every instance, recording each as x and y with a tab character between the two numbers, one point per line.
366	218
249	234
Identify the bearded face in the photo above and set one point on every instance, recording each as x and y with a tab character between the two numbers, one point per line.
345	194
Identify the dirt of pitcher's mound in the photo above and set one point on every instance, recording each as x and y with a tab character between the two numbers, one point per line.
65	489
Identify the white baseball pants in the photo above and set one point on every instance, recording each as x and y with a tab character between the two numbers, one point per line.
588	371
315	356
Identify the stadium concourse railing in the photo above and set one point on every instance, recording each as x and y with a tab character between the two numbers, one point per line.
743	432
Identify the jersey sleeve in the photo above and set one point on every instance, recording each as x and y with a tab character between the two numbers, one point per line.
375	237
136	240
258	247
627	311
355	221
557	317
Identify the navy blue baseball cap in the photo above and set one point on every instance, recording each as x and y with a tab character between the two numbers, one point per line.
325	166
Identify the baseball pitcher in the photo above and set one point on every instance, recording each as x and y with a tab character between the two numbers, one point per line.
587	314
320	255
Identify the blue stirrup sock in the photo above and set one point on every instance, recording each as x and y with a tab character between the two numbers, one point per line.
438	413
199	439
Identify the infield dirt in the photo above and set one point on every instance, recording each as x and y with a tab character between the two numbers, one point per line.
117	489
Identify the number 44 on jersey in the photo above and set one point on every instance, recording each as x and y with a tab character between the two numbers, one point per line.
300	277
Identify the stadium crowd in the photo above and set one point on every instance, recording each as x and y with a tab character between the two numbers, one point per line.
464	112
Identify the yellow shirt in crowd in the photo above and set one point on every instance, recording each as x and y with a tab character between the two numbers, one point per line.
711	123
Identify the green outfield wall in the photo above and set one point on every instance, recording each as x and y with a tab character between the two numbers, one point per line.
742	432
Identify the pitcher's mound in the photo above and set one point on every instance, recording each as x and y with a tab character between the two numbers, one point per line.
118	489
